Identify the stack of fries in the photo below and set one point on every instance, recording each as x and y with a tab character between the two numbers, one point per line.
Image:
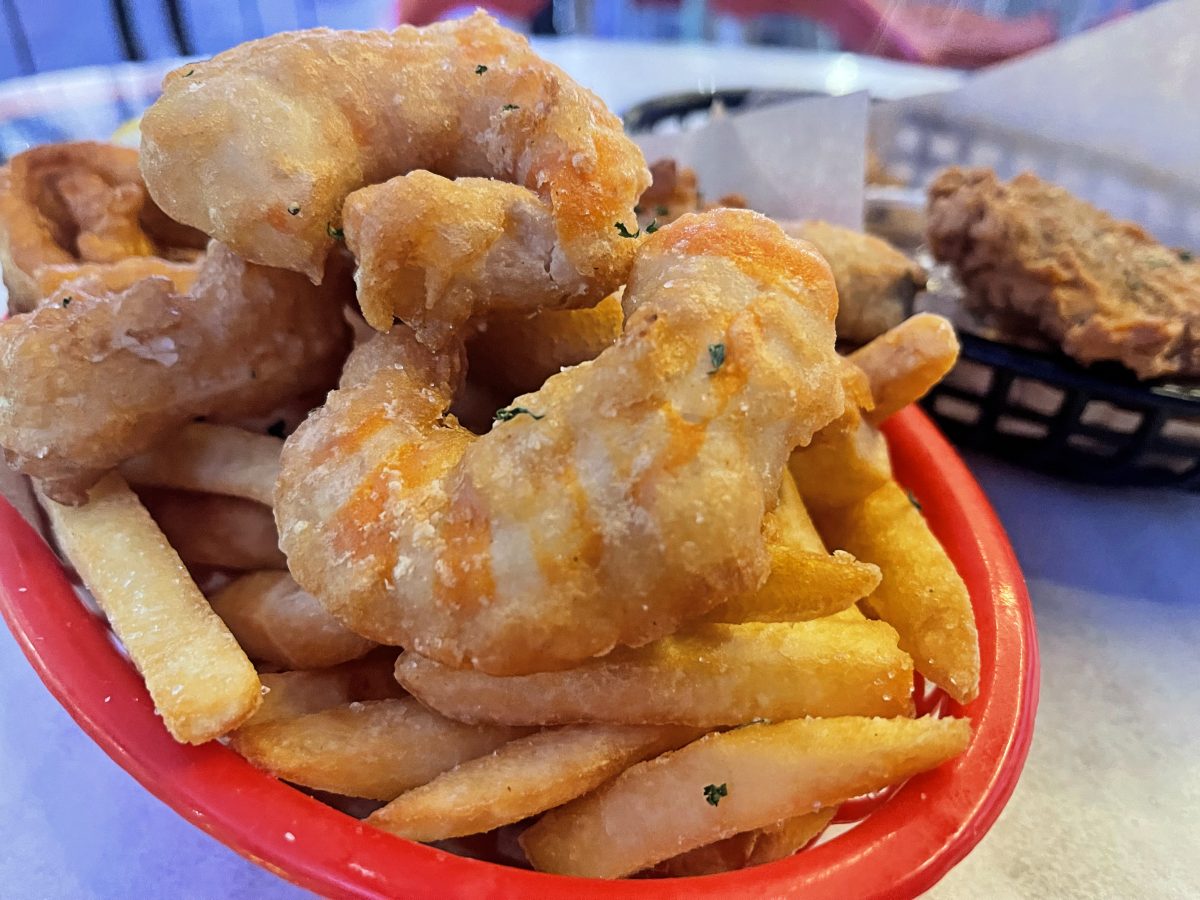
728	744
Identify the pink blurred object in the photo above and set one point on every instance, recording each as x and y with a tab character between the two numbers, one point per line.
423	12
916	32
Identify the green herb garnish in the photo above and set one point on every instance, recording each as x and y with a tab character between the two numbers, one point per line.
1185	256
508	106
716	356
480	69
625	232
511	412
913	500
67	301
336	233
188	73
652	227
714	792
294	209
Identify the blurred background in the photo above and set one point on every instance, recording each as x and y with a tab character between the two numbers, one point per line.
44	35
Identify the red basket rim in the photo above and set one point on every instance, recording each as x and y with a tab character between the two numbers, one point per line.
900	850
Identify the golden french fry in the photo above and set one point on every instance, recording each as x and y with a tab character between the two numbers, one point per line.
789	522
849	614
213	459
213	530
710	676
276	621
377	749
524	777
903	363
842	464
921	595
200	680
293	694
733	782
802	585
750	848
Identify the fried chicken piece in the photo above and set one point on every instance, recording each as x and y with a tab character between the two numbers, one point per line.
64	205
625	495
93	376
876	282
674	191
1034	257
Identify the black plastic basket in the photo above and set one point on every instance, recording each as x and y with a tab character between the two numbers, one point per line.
1038	409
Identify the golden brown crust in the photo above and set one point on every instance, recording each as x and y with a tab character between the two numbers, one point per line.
628	497
312	116
1033	257
62	205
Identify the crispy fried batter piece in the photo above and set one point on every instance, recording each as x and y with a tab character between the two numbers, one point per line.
1032	257
66	204
876	282
93	377
261	145
625	495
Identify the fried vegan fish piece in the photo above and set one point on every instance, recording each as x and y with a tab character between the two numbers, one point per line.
1033	257
93	376
624	496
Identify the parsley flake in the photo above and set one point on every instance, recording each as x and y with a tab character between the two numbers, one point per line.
277	428
508	106
625	232
1185	256
652	227
511	412
913	500
67	301
480	69
293	209
336	233
716	356
188	73
714	792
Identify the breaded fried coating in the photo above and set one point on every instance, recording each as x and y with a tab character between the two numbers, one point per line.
625	495
1033	257
261	145
93	377
876	282
66	204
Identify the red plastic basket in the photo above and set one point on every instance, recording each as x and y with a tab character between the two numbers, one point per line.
906	842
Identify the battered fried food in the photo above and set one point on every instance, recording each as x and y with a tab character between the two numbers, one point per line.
1032	257
261	145
66	204
517	353
92	378
876	282
623	497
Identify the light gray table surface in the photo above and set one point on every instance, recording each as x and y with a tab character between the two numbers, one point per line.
1108	806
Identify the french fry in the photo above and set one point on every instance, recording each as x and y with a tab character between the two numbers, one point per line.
293	694
750	848
201	681
710	676
278	622
802	585
213	459
845	462
728	783
789	522
921	595
524	777
212	530
377	749
903	363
